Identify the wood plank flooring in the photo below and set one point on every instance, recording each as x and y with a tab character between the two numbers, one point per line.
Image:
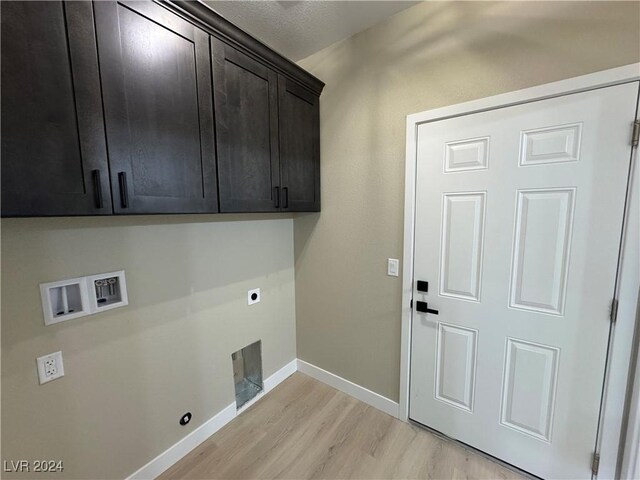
304	429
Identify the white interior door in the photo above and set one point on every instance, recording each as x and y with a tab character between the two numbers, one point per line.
519	213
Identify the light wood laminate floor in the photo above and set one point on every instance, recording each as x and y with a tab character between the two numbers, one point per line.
306	429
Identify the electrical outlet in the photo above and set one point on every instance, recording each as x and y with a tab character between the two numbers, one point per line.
253	296
50	367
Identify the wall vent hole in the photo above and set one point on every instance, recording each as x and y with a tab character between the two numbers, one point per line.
247	372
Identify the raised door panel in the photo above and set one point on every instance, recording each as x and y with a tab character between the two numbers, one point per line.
158	109
529	386
462	244
465	155
456	365
246	111
541	251
299	128
557	144
54	159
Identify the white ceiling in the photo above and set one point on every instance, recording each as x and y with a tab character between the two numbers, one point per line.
297	29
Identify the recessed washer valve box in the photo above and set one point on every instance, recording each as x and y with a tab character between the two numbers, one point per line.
107	291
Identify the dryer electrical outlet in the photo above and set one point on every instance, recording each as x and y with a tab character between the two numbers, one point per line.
253	296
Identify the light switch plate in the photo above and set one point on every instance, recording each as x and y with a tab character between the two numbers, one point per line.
253	296
393	266
50	367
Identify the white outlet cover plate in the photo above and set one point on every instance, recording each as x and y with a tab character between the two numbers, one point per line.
393	266
251	301
44	368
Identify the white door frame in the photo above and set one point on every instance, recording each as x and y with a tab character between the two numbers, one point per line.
628	281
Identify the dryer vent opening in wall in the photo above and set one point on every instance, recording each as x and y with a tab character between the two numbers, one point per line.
247	372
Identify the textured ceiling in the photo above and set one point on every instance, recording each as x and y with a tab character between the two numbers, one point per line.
297	29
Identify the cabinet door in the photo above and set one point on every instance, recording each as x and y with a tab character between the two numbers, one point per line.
156	82
299	127
246	107
54	159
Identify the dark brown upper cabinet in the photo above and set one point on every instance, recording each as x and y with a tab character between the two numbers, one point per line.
299	133
54	159
246	107
135	107
267	129
156	82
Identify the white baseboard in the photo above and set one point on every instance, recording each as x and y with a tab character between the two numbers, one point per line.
281	375
177	451
174	453
367	396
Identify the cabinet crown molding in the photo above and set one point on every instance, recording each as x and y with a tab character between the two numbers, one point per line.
216	25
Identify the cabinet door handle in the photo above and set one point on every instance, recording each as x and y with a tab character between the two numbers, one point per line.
285	194
97	188
276	197
122	181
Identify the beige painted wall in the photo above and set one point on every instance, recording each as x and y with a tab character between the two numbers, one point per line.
428	56
131	373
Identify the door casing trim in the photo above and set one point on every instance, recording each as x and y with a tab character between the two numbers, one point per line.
628	283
